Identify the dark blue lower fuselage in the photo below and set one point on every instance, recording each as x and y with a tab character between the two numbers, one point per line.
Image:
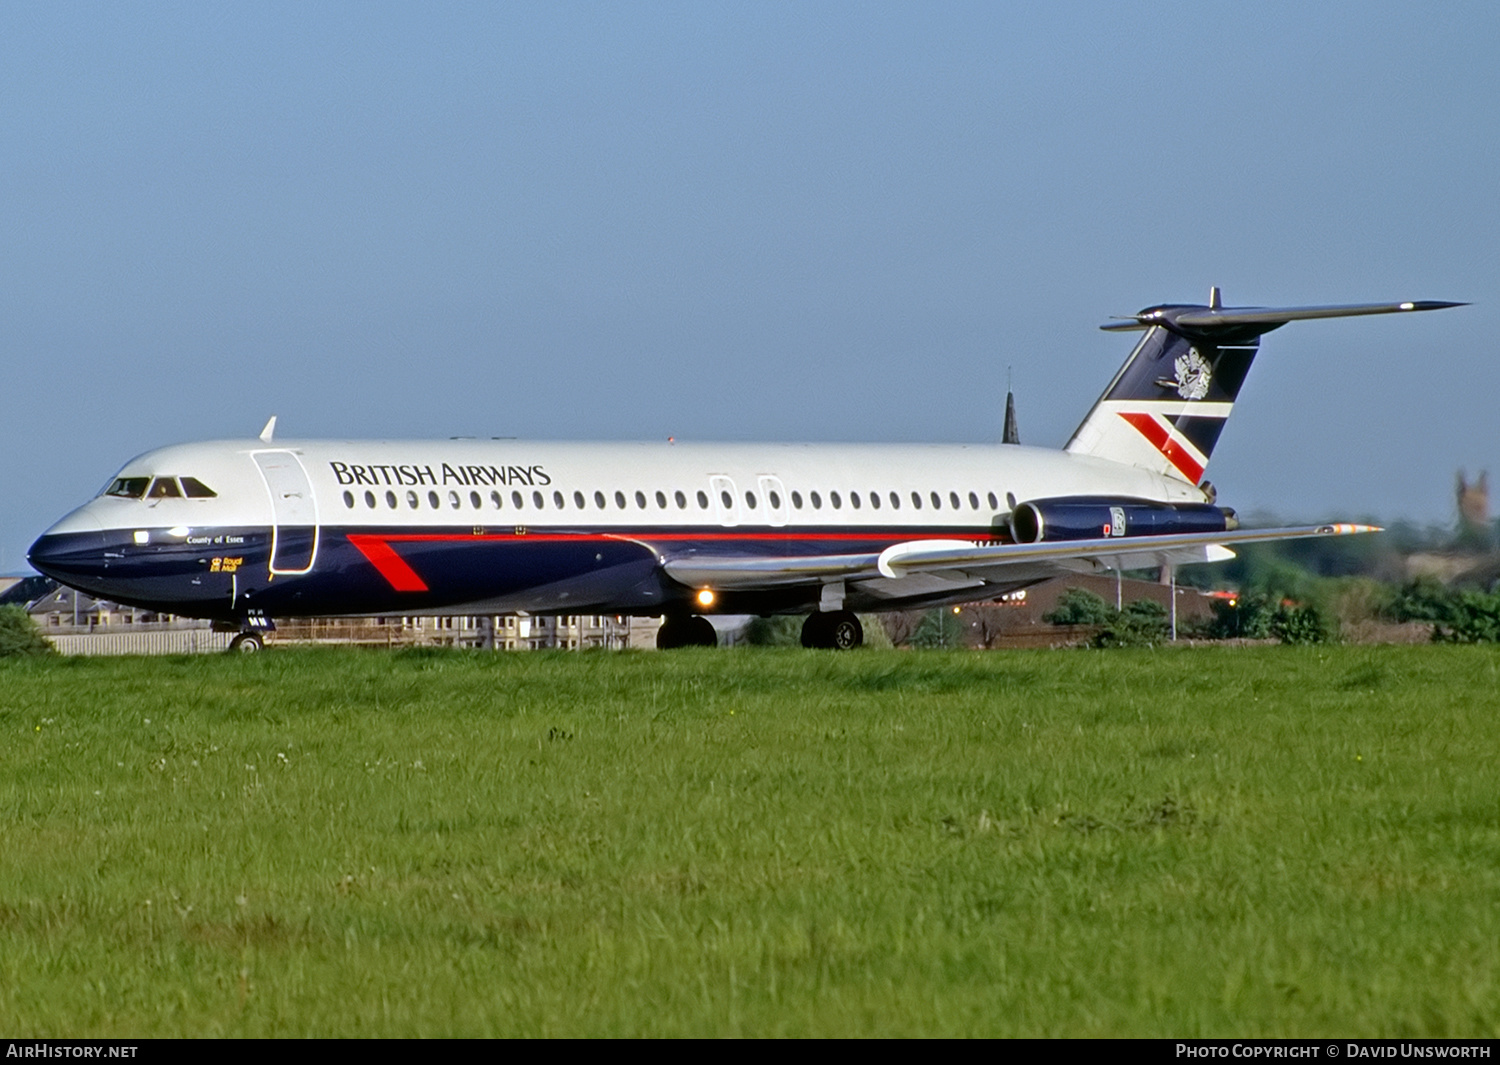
226	574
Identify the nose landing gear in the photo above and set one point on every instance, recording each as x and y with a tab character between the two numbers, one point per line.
247	643
251	629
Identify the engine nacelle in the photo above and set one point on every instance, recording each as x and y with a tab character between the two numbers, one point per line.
1098	517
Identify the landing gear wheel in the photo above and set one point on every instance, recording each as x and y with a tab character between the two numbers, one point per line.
247	643
814	631
692	631
845	633
703	634
836	631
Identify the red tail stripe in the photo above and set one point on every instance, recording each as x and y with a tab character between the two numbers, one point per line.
1161	439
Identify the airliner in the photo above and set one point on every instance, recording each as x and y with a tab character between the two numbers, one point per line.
246	531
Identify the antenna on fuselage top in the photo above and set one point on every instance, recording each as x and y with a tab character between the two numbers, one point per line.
269	431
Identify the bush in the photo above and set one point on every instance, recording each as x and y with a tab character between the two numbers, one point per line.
19	634
1080	607
1299	625
1142	623
1424	599
1472	617
1244	617
781	631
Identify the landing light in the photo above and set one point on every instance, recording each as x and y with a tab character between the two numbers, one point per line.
142	536
706	597
178	530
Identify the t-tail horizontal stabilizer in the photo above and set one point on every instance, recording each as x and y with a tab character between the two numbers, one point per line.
1166	408
1217	322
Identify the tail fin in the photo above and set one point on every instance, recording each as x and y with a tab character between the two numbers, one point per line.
1166	407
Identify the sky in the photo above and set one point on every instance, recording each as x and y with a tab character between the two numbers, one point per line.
756	221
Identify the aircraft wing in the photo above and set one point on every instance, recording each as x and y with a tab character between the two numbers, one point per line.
964	560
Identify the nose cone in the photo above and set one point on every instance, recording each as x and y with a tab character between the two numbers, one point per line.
71	550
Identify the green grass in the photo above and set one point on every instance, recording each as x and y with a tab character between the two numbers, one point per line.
1203	842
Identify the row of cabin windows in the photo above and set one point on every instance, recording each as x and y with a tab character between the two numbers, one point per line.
559	500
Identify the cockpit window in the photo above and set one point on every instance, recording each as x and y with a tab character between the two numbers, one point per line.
128	487
196	489
164	488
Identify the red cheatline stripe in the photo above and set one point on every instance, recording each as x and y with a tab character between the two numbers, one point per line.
653	537
376	547
391	565
1161	439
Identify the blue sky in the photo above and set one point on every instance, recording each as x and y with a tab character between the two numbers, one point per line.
755	221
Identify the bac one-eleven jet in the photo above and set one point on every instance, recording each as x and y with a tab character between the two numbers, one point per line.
245	531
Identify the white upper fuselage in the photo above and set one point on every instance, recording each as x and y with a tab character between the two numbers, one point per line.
360	483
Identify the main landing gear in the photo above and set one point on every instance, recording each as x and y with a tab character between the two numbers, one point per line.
247	643
686	631
838	630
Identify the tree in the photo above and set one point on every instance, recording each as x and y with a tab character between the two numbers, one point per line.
19	634
900	626
939	628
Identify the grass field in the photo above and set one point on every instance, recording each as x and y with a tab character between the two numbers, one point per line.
1264	841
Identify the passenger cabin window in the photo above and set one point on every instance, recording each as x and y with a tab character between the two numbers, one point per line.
128	487
680	499
599	500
